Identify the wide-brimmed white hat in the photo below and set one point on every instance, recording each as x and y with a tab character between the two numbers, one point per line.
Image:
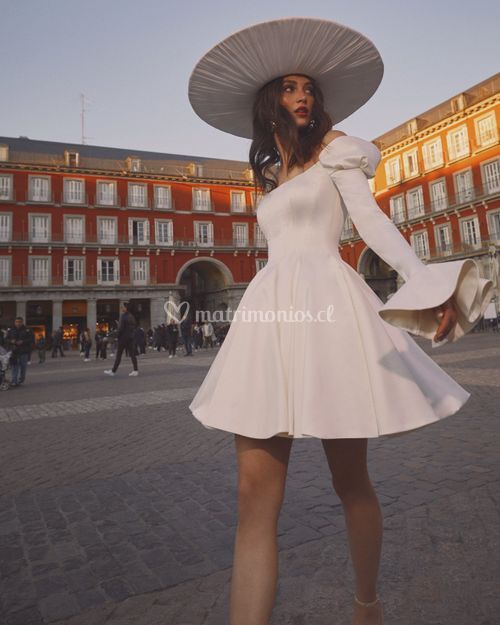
223	84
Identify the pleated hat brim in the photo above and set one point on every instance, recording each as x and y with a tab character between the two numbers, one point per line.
224	82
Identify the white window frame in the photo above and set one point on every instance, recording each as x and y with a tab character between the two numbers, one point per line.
458	148
259	236
34	281
5	227
116	270
493	139
170	227
260	263
398	213
31	219
415	209
470	226
6	272
98	194
9	186
420	243
204	201
159	204
102	240
67	158
67	238
139	281
491	183
204	238
238	206
493	219
444	248
438	203
34	197
67	193
409	172
134	201
135	164
66	280
433	158
145	234
466	194
393	171
240	234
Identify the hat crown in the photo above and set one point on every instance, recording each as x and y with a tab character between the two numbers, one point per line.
223	84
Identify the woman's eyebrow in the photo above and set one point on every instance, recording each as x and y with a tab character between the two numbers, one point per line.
295	82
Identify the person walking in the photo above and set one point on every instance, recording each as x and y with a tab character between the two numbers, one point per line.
172	338
140	339
86	344
126	340
57	342
208	334
356	375
186	334
19	341
41	346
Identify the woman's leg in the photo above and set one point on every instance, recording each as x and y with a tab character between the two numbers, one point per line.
347	459
262	469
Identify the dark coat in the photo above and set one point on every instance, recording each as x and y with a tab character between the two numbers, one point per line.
126	328
19	340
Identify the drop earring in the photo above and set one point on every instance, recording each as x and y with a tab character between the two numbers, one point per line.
272	125
312	123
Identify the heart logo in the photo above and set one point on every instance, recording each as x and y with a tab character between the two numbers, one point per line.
173	310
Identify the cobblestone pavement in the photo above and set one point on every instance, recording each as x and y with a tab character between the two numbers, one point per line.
117	507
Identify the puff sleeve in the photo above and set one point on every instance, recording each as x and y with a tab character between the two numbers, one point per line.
350	161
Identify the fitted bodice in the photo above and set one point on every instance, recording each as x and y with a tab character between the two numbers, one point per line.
304	215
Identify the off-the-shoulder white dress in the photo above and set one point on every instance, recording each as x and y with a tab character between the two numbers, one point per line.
354	372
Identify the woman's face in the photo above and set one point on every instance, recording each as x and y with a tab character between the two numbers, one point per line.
297	96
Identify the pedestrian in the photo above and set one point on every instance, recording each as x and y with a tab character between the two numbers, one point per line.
140	339
19	341
126	340
208	334
98	336
197	336
86	344
357	374
186	333
57	342
172	333
32	343
41	346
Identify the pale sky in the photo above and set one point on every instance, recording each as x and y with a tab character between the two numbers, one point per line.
132	60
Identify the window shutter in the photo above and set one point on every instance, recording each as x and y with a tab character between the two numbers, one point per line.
117	269
146	231
130	231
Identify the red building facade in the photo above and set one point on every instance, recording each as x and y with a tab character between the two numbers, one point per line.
85	227
439	182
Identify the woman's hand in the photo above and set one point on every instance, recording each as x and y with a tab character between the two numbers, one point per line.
447	315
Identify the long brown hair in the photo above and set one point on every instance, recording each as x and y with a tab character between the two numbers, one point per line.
299	143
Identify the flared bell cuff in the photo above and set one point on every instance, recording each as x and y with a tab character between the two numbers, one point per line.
411	307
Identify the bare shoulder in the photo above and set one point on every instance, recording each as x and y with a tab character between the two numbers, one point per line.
331	135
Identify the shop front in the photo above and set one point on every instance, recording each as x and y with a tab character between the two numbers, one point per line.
39	318
74	314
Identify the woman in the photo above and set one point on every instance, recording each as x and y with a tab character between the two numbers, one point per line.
356	375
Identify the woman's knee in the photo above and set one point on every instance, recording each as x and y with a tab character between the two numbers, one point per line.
261	477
